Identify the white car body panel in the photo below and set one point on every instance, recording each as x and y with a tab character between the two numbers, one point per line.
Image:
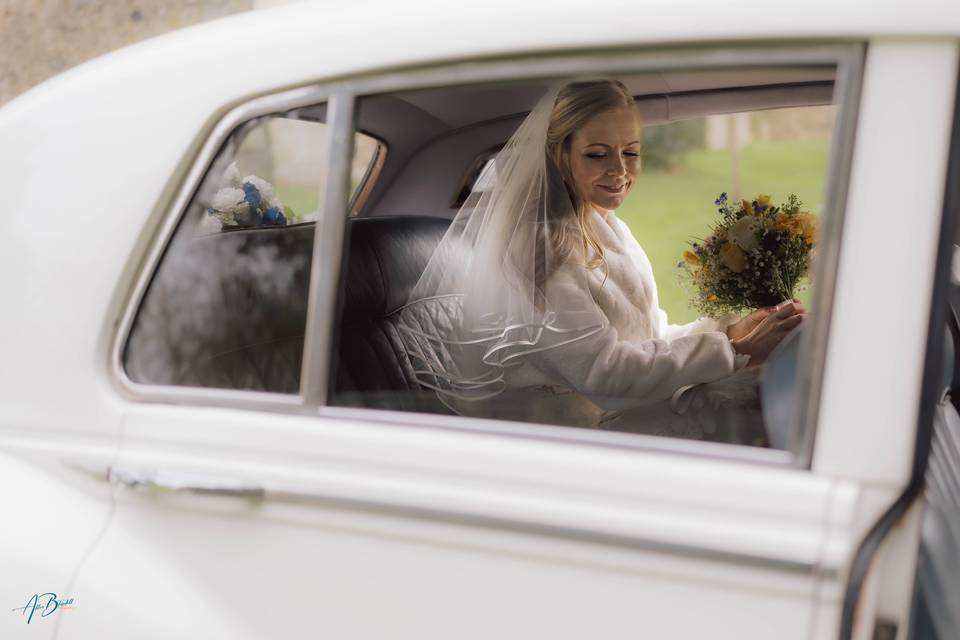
373	530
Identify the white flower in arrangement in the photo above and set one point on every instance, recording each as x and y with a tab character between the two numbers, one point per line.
209	224
227	198
743	233
231	177
228	204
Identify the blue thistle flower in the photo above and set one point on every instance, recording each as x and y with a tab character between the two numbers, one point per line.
274	216
252	195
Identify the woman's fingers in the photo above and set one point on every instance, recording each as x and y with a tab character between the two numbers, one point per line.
788	324
771	327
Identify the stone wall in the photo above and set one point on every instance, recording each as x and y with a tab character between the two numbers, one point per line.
41	38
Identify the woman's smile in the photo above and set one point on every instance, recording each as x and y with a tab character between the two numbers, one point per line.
612	189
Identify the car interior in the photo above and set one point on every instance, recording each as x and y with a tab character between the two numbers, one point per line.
436	140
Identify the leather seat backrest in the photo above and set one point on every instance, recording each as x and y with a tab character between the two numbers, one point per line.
385	257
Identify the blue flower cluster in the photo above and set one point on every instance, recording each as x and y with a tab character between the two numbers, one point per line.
255	214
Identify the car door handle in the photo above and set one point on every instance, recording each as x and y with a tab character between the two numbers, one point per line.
169	482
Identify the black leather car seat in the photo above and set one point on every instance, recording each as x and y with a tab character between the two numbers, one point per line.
384	261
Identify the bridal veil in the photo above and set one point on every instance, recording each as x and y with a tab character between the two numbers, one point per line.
488	296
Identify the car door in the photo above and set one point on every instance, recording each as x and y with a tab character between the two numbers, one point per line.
262	509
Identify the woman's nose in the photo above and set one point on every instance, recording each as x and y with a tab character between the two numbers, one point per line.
617	166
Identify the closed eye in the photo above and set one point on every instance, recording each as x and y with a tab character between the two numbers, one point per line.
599	156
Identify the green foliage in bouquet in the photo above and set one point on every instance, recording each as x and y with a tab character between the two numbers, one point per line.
755	257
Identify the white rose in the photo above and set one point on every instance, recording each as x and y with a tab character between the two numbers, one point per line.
744	232
227	199
231	177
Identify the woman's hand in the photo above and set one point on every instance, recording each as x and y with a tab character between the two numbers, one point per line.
743	327
769	326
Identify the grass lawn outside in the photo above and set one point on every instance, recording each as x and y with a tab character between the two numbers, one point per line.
666	210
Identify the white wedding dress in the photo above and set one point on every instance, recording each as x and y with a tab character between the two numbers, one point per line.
640	373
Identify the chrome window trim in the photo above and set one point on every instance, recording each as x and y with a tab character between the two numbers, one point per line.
328	251
591	62
815	340
340	97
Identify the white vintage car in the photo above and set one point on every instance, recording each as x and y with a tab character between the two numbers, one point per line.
207	429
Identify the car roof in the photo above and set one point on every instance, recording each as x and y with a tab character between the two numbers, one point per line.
307	41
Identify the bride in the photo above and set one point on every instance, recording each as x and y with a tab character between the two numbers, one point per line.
540	305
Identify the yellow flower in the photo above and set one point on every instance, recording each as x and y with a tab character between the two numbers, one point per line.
807	226
733	257
713	298
763	200
783	222
803	224
691	258
747	207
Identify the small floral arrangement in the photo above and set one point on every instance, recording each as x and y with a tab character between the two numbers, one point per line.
246	202
755	257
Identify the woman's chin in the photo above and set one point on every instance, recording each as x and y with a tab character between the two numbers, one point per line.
607	203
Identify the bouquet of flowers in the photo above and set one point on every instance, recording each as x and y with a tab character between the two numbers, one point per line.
754	258
246	202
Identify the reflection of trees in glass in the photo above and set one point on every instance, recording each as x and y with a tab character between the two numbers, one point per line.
226	310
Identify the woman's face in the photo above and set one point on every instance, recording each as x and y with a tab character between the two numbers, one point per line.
604	157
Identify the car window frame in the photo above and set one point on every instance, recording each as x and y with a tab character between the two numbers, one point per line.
849	60
215	136
340	99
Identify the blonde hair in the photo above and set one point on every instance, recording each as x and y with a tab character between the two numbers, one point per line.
578	102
